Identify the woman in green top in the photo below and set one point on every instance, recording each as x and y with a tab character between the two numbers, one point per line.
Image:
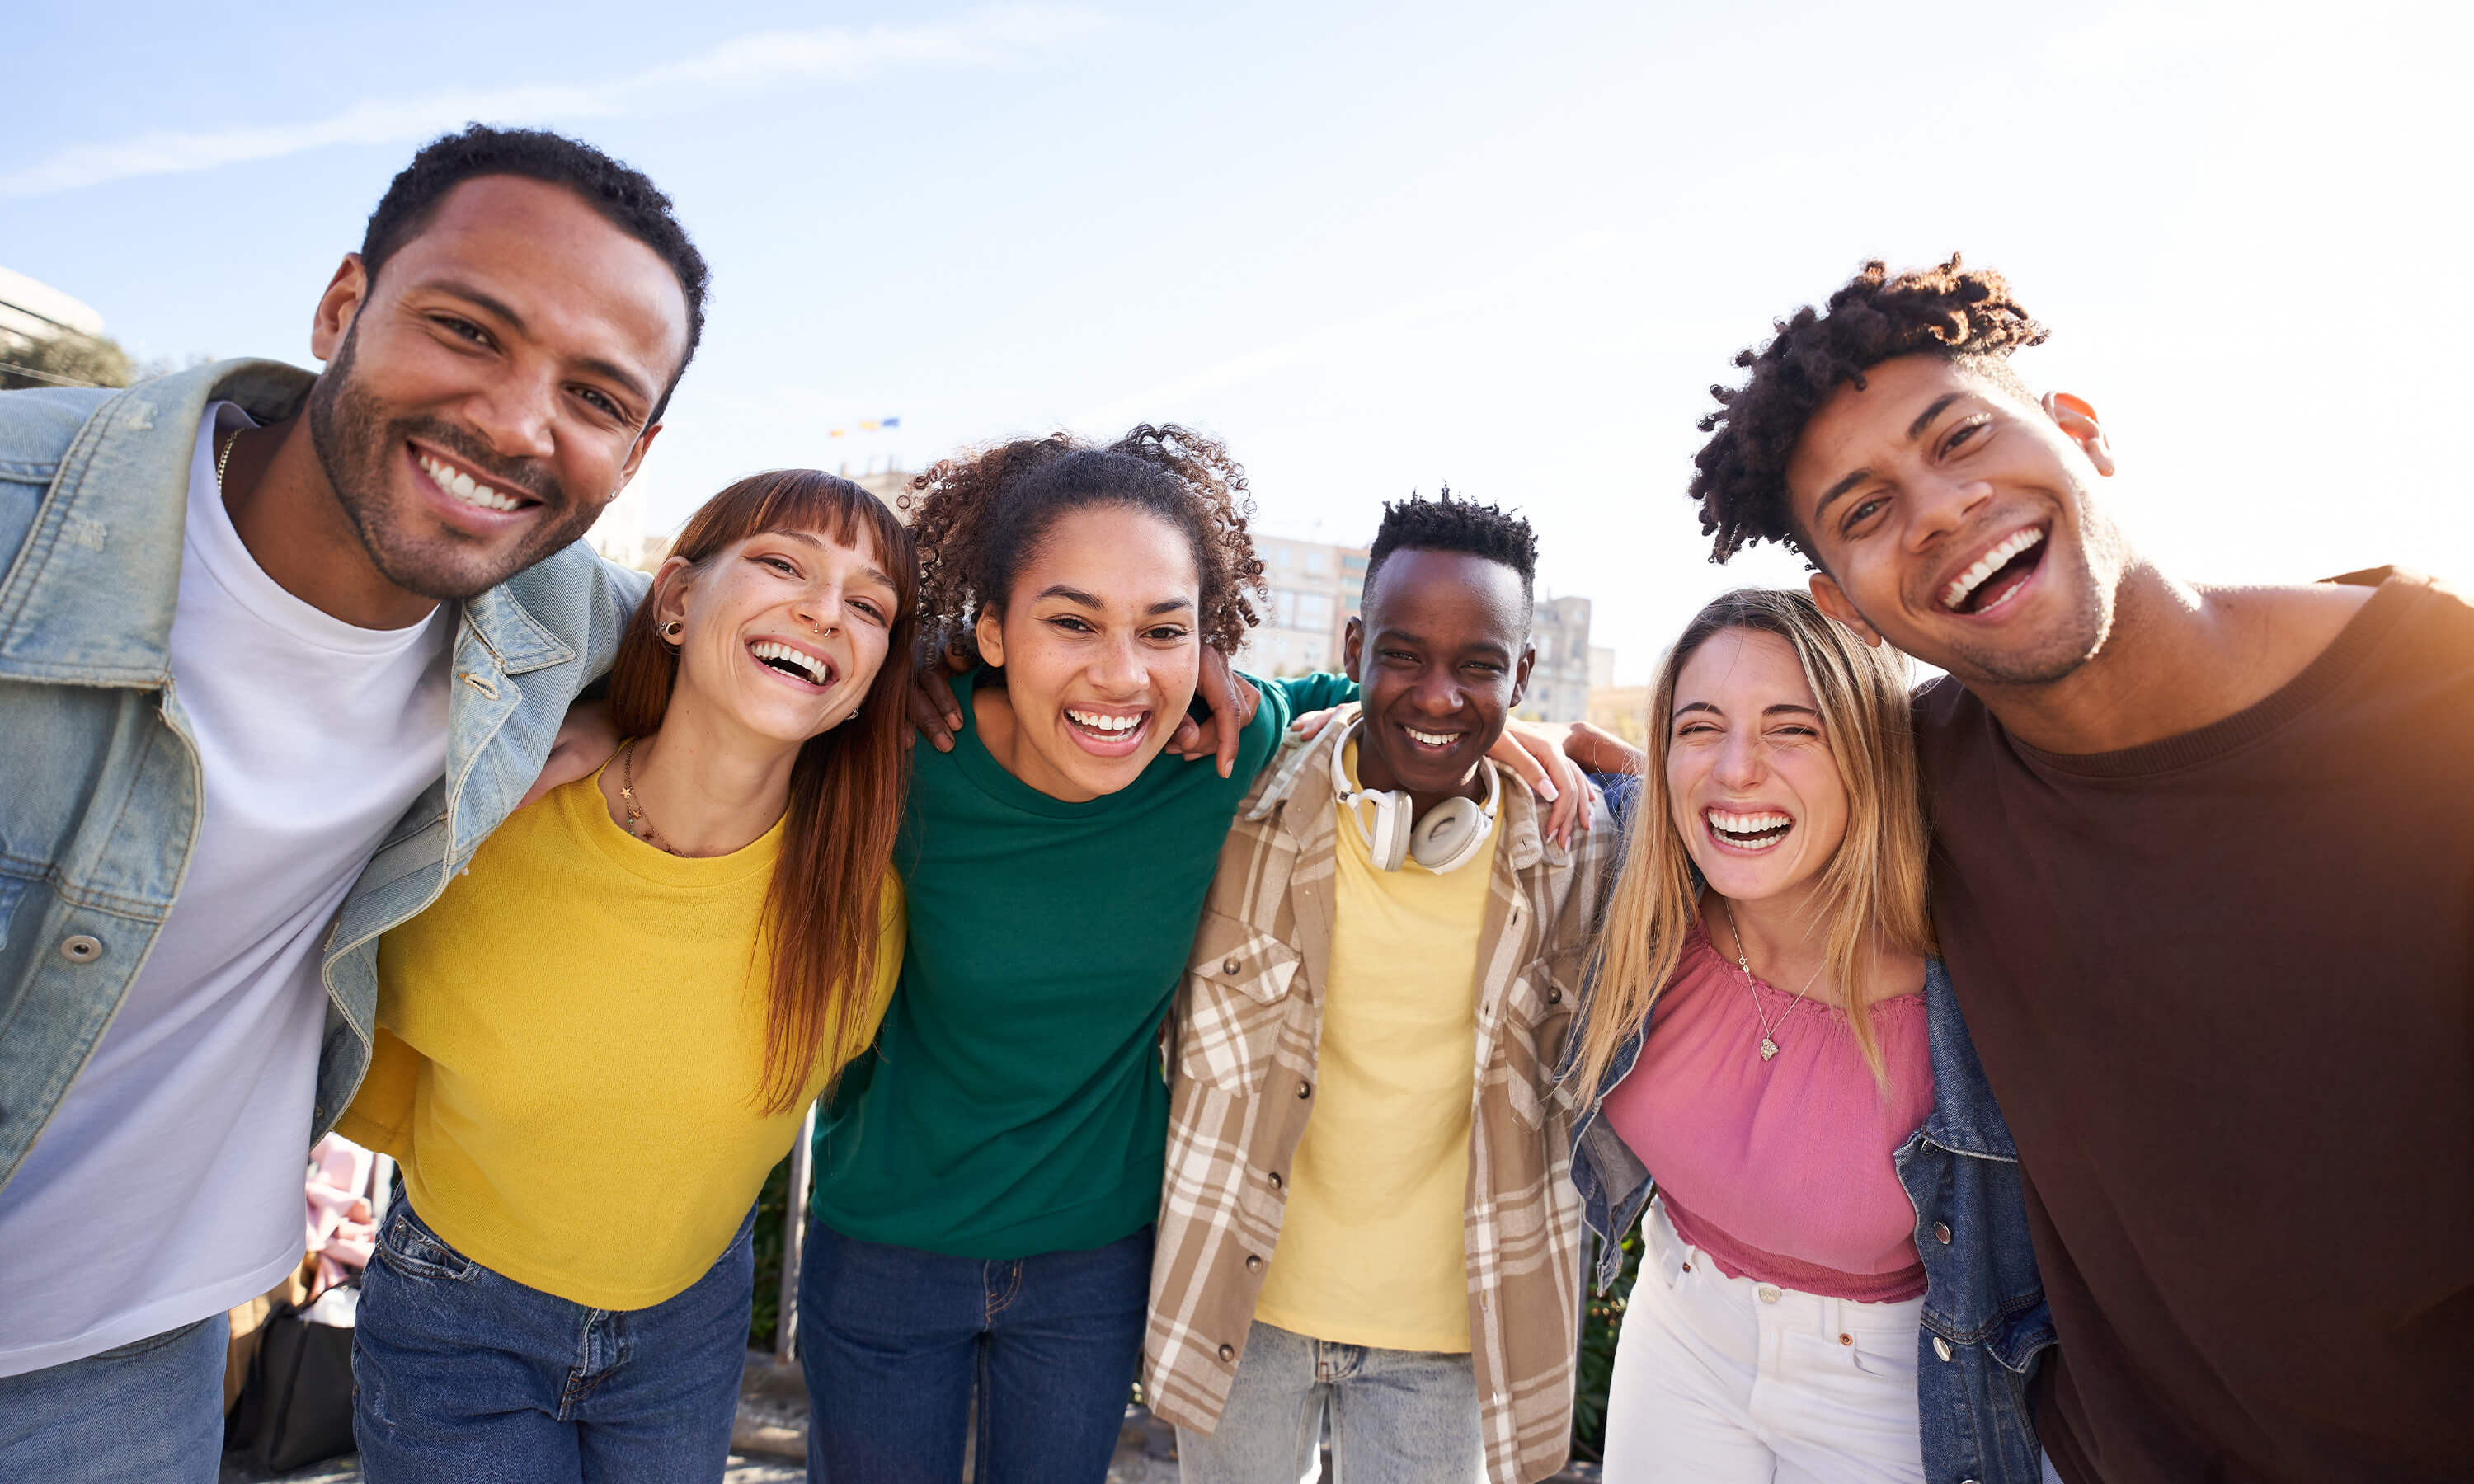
985	1187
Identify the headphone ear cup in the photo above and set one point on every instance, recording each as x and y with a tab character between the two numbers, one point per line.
1389	842
1449	835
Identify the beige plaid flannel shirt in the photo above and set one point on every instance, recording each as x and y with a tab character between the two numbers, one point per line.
1247	1024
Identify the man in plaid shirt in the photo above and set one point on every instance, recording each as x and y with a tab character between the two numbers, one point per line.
1366	1224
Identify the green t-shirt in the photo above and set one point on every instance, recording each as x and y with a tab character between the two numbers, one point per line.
1015	1104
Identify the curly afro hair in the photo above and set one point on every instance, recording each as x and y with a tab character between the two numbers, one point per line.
978	519
1447	524
1740	478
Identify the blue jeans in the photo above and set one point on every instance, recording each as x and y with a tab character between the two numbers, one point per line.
463	1376
152	1409
893	1340
1397	1416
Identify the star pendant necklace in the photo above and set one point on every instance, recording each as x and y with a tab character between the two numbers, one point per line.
1743	966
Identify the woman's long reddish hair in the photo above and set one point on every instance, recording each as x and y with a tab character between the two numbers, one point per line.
846	789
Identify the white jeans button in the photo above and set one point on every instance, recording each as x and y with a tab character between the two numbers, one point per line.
1769	1293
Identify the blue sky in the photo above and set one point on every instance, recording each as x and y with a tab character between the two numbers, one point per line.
1375	246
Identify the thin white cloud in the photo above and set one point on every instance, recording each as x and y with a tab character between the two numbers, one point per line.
988	37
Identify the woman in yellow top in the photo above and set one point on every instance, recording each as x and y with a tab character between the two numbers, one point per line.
593	1045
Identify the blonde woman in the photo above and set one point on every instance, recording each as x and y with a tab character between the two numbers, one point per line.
1837	1282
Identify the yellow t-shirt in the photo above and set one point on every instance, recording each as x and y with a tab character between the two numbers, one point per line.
570	1045
1370	1250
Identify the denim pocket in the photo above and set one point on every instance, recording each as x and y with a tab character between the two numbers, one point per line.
414	1251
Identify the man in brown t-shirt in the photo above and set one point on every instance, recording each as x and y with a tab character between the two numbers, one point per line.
2204	880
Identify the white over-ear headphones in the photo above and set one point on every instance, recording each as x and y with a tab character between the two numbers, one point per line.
1446	839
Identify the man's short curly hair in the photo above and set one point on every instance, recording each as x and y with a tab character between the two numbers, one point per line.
978	518
624	196
1740	478
1447	524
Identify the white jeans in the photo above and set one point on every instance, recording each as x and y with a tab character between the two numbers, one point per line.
1722	1380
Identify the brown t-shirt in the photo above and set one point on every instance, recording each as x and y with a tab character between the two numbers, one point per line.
2224	987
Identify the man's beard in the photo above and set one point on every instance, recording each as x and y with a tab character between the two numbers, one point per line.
356	443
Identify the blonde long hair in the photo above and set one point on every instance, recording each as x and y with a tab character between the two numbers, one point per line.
1873	888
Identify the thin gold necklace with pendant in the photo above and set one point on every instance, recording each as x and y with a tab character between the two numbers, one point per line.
636	816
1744	967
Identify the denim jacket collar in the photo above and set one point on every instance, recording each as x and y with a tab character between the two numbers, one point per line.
89	599
1964	1119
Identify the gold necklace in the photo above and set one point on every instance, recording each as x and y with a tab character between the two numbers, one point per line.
1743	966
635	807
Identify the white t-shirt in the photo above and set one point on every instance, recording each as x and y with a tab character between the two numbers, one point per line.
168	1185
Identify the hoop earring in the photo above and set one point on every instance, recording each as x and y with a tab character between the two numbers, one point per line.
670	632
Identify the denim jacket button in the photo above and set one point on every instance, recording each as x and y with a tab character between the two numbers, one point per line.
79	948
1940	1347
1941	1233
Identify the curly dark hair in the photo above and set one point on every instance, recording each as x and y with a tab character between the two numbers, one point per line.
978	519
1447	524
1740	478
632	203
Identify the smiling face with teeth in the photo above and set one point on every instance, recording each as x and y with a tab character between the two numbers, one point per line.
1100	653
782	634
1752	787
1441	654
490	391
1950	516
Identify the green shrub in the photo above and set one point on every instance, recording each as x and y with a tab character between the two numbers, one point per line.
1601	1321
765	1318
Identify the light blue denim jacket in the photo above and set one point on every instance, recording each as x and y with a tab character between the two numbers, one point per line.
99	780
1985	1323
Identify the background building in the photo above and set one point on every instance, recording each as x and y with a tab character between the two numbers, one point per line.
48	339
1558	682
37	311
1315	588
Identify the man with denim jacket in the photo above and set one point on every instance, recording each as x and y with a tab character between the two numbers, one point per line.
277	652
1365	1223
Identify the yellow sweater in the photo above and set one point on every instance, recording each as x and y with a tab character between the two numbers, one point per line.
570	1045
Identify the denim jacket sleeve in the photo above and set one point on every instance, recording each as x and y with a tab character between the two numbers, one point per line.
1985	1325
1613	1182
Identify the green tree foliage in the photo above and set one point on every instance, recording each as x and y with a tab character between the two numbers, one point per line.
64	360
1601	1322
764	1316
